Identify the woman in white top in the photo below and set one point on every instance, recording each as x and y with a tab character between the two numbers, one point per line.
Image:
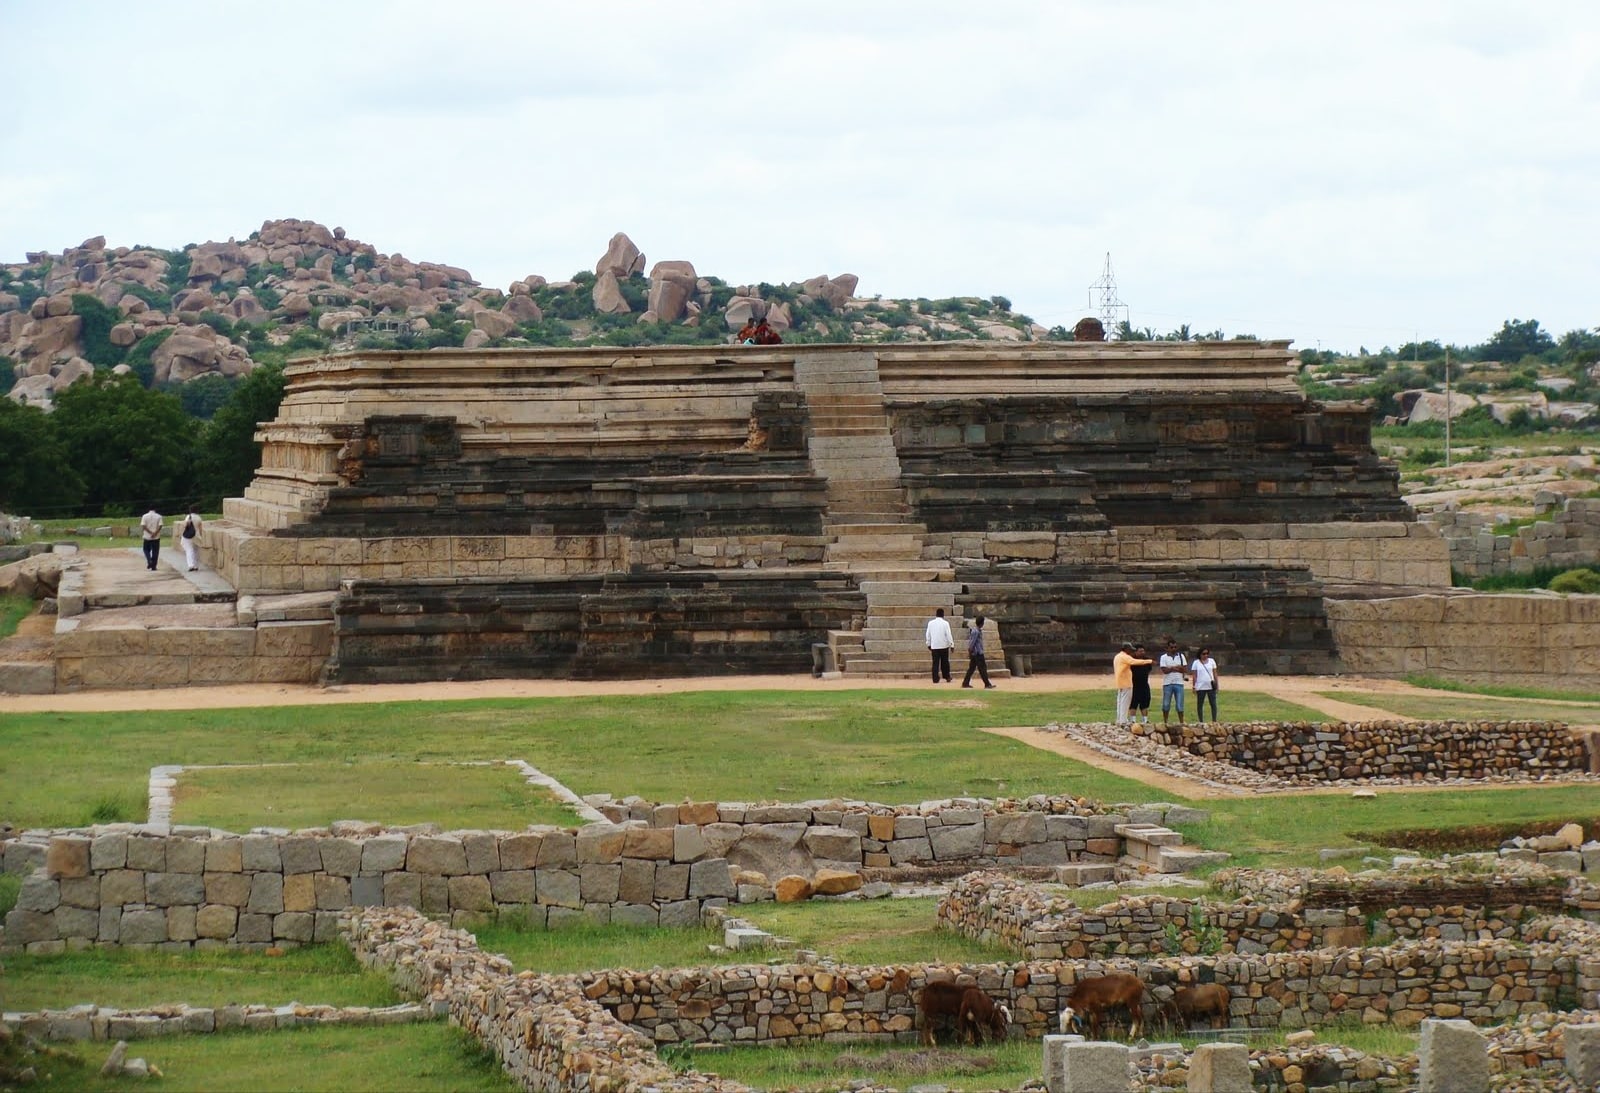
187	533
1204	670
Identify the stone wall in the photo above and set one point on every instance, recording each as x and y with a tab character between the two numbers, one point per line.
1539	639
993	907
775	840
1571	538
1304	752
546	1033
111	656
198	889
1349	552
600	1030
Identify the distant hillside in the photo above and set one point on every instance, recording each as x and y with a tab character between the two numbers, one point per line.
212	312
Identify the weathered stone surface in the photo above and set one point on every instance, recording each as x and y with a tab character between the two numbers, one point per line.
1452	1057
436	855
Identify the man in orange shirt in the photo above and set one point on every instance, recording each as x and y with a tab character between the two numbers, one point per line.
1123	665
747	333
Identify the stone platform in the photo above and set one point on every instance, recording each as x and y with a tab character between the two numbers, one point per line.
683	510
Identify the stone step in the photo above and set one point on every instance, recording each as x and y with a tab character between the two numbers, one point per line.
895	528
866	517
876	588
889	569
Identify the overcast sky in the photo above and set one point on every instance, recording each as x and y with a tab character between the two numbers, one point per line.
1339	174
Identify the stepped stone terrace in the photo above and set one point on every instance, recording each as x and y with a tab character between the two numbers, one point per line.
667	511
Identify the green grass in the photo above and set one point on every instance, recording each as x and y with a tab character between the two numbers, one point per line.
585	946
893	746
130	979
896	931
1280	831
10	885
389	792
13	609
825	1066
1468	707
426	1058
828	1066
1437	684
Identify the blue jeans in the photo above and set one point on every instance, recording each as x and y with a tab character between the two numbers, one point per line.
1171	695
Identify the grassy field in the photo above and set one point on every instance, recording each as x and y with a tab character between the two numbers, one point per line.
13	609
129	979
1009	1065
427	1058
1452	706
396	793
894	746
1437	684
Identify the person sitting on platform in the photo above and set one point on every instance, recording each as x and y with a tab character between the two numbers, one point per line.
765	335
747	333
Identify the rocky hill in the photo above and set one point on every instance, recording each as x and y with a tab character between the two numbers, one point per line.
296	287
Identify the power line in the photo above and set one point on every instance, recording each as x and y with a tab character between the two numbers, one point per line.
1109	303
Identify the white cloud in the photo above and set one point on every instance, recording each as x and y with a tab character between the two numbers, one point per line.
1341	174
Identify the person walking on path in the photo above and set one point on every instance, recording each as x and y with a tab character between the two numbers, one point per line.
1205	685
939	640
150	527
1122	665
975	657
1175	667
188	535
1139	706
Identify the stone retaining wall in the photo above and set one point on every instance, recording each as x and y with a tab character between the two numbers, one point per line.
1541	639
993	907
547	1035
101	1023
776	840
200	889
1346	552
1571	538
177	656
1310	752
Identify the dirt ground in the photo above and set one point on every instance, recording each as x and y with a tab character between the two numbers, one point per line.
1300	689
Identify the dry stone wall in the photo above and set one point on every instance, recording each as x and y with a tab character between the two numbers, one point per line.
198	889
775	840
1305	752
1319	915
1571	538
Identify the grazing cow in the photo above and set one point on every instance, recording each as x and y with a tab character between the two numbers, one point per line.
1209	1001
1091	999
979	1015
938	1000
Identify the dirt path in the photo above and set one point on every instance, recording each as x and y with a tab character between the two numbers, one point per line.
1301	690
1057	744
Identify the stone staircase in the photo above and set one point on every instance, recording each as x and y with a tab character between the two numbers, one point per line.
871	535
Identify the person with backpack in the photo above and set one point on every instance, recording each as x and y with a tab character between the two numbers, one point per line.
187	533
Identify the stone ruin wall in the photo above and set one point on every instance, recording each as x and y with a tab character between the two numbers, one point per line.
1543	640
1025	918
141	885
1569	540
565	1032
1306	752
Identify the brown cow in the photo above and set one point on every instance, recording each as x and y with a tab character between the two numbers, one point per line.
1091	999
979	1014
936	1000
1209	1000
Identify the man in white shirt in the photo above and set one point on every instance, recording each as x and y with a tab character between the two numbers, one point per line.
1175	666
150	528
1205	685
939	641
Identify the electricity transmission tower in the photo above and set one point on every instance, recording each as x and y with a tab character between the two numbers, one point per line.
1103	295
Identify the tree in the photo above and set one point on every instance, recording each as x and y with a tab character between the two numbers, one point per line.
1516	339
1125	332
130	446
35	478
228	455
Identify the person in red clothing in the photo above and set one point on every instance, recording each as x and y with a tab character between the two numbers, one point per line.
747	333
765	335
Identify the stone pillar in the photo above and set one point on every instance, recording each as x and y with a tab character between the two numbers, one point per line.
1583	1055
1453	1057
1073	1066
1219	1068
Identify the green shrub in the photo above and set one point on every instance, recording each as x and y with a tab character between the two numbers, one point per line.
8	373
138	357
95	335
1585	581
